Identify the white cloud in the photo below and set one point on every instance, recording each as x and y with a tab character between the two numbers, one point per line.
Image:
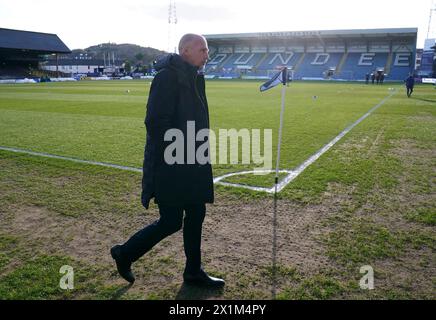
83	23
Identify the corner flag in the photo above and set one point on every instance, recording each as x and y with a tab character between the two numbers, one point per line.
279	77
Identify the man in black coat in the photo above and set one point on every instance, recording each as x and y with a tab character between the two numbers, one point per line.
180	184
410	84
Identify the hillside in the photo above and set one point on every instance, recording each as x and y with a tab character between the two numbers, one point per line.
133	53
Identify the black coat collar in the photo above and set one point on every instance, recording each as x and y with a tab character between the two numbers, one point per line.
186	72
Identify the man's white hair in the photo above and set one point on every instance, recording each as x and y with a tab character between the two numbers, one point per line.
187	39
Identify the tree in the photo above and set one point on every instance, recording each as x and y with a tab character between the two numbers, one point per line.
139	57
127	66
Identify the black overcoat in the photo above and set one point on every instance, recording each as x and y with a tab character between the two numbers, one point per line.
177	95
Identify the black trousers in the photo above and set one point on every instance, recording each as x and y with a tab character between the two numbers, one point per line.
409	91
171	220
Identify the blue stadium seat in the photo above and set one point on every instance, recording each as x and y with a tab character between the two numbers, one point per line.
278	59
351	70
400	68
315	65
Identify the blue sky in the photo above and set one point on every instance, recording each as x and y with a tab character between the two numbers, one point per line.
145	22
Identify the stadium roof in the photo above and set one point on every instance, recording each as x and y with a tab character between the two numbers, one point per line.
32	41
81	62
363	33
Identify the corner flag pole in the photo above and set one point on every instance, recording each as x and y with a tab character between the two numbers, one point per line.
280	136
279	77
285	79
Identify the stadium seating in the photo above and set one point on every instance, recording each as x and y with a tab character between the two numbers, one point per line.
272	60
14	72
313	65
358	65
399	69
231	65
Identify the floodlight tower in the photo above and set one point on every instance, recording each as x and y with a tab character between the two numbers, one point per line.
172	26
432	11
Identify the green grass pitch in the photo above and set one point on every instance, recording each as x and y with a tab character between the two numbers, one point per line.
369	200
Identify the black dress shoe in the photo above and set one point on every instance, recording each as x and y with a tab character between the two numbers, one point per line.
123	267
203	279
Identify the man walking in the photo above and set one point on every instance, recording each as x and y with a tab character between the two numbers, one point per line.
410	84
181	189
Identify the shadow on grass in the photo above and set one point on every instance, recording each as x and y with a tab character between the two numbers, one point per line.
121	291
190	292
426	100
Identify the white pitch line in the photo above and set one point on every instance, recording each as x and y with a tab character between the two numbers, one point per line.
295	173
53	156
292	174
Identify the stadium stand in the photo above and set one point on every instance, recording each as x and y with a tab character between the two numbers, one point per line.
335	54
358	65
289	59
315	65
22	51
427	58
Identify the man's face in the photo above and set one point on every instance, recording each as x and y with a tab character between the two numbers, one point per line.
197	52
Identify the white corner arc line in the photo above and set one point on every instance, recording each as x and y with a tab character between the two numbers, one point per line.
219	179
